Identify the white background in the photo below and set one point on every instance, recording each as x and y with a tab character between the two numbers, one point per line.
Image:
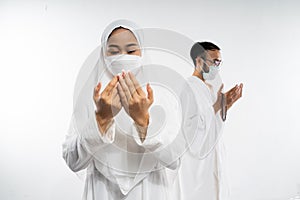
44	43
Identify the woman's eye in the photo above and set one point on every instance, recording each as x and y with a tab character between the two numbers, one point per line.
131	51
113	52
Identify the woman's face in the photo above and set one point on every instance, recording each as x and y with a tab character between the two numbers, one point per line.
122	41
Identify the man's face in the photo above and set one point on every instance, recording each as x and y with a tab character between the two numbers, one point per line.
213	58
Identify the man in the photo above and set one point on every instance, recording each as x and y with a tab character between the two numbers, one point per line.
201	174
207	60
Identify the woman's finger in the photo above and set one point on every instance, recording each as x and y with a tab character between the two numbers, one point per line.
114	92
97	91
125	89
129	84
121	92
116	98
136	84
123	98
111	85
150	93
117	101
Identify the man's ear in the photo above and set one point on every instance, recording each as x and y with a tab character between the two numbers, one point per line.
199	62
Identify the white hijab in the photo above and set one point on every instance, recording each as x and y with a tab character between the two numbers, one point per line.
134	28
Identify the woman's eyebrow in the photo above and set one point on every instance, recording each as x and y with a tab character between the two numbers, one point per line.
132	44
113	45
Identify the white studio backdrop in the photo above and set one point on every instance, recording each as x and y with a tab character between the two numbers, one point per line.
44	43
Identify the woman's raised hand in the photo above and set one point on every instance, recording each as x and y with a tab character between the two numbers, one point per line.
108	103
134	100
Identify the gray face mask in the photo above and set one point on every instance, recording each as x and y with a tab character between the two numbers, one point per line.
212	73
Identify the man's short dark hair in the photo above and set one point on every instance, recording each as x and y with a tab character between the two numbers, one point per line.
199	48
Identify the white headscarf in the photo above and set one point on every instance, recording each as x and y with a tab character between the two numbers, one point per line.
133	27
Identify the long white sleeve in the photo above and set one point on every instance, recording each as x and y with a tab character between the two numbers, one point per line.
81	143
150	143
161	132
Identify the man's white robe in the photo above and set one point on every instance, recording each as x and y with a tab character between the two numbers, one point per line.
201	175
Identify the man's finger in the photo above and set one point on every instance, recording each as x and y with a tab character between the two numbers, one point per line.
241	87
237	93
233	98
232	89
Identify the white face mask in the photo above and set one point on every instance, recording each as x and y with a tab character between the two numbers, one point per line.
211	74
117	63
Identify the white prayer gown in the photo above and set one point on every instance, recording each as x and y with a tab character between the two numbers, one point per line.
201	175
118	166
103	181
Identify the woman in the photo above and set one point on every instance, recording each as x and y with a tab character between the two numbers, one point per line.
111	127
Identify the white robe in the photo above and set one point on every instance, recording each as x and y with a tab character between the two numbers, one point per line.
106	182
201	175
112	172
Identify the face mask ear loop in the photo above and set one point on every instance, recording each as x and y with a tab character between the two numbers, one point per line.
205	65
